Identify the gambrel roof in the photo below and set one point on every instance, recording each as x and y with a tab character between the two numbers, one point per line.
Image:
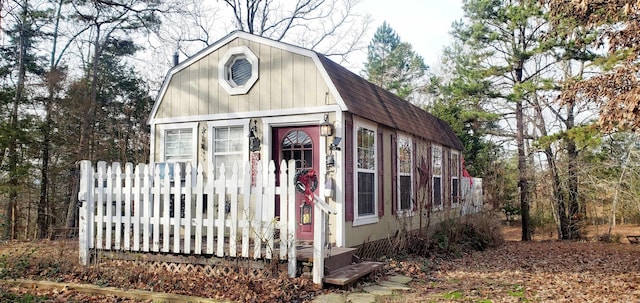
370	101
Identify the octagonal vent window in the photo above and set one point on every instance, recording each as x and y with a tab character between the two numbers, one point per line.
238	70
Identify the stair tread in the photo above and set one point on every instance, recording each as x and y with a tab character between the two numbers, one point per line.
350	273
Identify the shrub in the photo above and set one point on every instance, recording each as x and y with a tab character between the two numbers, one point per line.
452	237
610	238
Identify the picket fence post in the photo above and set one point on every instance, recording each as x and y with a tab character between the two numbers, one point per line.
85	221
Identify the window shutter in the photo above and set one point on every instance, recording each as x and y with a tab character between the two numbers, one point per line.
348	170
380	174
414	196
394	174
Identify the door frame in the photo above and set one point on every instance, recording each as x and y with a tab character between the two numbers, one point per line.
314	118
303	232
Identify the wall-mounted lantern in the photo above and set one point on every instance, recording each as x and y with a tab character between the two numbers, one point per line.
326	129
254	141
305	214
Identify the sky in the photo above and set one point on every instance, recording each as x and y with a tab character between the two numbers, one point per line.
425	24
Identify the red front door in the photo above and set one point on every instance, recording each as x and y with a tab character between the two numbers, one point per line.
301	145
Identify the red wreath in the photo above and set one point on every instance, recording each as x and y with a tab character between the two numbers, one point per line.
306	182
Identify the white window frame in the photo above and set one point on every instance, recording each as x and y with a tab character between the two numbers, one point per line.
455	175
227	61
409	211
176	126
370	218
435	149
211	126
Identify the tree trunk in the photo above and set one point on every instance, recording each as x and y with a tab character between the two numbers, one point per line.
572	184
11	226
523	182
54	76
84	151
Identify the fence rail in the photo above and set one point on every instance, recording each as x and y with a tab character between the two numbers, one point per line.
161	209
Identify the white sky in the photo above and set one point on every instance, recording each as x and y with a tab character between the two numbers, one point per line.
425	24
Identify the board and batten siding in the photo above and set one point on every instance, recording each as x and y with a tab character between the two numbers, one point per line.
286	80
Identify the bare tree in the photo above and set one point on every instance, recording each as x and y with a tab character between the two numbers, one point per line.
107	20
328	26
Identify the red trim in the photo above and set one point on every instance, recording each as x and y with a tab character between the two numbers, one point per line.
348	171
394	174
414	196
380	173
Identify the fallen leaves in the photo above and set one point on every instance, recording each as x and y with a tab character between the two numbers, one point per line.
550	271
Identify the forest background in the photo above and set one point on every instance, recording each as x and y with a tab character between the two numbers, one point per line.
543	94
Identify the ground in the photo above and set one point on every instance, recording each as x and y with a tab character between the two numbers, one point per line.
543	270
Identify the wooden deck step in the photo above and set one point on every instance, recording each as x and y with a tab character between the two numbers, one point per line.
353	272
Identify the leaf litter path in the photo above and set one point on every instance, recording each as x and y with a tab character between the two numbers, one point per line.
550	271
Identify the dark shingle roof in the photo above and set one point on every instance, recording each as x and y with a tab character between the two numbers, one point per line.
370	101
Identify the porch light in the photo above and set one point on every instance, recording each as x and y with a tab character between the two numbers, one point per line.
326	129
254	141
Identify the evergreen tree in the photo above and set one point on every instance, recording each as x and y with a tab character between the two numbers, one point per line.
507	38
393	65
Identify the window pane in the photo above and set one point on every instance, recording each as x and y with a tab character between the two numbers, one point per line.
227	149
405	192
455	164
454	189
436	155
229	161
437	192
178	144
366	203
404	155
366	149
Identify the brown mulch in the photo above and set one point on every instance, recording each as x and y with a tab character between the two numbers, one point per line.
544	270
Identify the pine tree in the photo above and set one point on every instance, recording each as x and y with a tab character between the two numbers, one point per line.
393	65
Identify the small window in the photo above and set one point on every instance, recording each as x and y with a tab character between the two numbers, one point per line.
436	157
227	148
238	70
366	174
405	175
178	145
455	179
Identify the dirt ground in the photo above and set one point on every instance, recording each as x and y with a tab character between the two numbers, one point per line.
544	270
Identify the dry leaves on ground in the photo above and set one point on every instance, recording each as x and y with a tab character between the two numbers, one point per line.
544	271
550	271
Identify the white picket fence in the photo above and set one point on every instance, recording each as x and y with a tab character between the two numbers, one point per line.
143	209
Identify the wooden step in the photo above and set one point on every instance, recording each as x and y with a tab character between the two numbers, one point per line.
353	272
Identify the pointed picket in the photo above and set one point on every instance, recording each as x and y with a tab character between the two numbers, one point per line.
256	219
176	196
199	210
284	245
246	208
210	215
156	208
147	206
222	194
117	217
128	195
233	212
186	221
100	205
268	214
